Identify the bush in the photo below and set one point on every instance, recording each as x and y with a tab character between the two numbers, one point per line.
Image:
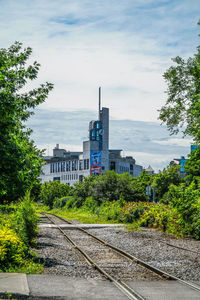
61	202
71	203
82	189
131	212
26	220
52	190
12	249
186	201
163	217
90	204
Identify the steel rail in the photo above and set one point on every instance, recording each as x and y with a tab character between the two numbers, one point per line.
159	272
182	248
130	293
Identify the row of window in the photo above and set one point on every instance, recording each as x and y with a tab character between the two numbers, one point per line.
67	166
69	177
124	169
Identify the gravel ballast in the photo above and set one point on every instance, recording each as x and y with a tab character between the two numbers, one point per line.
60	258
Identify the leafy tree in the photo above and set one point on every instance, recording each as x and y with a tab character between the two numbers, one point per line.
186	201
182	107
192	166
164	179
20	163
82	189
53	190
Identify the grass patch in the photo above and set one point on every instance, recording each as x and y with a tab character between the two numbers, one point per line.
82	216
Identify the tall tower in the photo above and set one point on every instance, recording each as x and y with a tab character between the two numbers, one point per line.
98	143
104	118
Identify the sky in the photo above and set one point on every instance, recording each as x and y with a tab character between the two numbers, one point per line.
122	46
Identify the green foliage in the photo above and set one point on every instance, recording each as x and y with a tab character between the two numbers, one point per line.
131	212
164	179
186	201
106	187
91	205
52	190
72	203
21	161
110	210
182	107
163	217
12	249
82	189
192	166
26	220
61	202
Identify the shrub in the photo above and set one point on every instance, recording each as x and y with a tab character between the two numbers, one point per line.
61	202
12	249
52	190
26	220
71	203
186	200
82	189
131	212
90	204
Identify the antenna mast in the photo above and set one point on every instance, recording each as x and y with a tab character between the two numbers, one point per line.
99	102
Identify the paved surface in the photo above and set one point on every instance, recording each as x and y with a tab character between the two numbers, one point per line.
22	286
13	283
85	226
164	290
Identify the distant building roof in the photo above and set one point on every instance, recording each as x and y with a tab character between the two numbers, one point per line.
149	169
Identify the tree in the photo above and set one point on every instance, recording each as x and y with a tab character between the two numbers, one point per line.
20	163
164	179
192	167
182	108
53	190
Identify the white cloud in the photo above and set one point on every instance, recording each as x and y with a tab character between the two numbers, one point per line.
82	44
155	160
123	46
175	142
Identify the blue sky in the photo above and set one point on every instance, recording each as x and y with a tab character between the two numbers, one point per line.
123	46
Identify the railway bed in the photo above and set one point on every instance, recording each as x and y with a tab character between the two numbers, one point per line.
125	270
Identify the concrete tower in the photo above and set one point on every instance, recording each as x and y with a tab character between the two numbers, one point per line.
97	148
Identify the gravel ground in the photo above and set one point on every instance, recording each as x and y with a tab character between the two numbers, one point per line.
60	257
148	246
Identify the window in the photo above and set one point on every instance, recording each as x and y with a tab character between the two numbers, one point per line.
51	168
112	165
80	165
80	177
87	164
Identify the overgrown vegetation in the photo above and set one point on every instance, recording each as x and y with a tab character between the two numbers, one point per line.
53	190
21	161
122	199
18	230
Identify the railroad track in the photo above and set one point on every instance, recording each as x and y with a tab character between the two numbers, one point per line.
178	247
115	278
